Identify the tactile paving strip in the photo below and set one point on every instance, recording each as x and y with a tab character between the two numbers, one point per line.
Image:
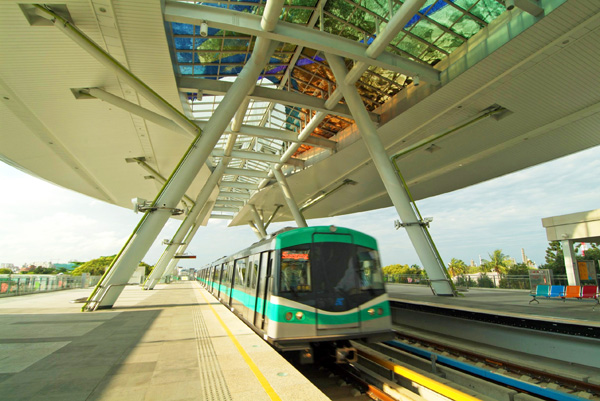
213	381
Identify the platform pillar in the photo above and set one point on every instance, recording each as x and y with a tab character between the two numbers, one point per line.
258	222
111	285
433	265
570	262
199	206
289	198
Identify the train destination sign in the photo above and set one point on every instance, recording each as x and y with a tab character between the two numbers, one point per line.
294	255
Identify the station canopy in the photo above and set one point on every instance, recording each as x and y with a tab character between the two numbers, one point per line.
464	91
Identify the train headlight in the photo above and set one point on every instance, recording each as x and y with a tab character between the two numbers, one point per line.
289	316
299	315
380	311
371	311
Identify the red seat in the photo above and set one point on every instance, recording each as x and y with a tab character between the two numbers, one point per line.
589	291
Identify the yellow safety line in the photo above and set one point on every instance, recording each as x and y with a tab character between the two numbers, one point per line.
425	381
262	379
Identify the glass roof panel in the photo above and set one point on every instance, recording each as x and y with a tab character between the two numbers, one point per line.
440	27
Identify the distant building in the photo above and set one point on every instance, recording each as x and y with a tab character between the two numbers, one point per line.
68	266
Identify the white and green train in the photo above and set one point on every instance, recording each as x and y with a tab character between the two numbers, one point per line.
304	287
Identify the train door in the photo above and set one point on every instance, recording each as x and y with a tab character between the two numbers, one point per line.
256	289
336	281
264	293
217	280
252	278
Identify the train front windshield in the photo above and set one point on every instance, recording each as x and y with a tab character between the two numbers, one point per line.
339	276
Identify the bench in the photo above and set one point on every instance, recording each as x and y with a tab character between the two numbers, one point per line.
547	291
570	291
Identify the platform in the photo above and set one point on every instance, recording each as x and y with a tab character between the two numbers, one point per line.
173	343
503	302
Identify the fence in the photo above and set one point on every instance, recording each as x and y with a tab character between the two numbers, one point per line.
22	284
490	280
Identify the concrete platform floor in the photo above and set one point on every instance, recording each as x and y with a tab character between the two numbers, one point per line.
504	302
166	344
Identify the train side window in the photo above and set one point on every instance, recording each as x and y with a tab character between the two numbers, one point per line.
295	270
369	269
253	270
240	269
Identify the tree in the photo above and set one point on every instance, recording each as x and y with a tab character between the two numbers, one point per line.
96	267
5	271
457	267
498	262
147	267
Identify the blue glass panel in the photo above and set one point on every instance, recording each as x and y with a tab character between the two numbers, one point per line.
185	69
182	29
183	43
427	11
184	57
206	70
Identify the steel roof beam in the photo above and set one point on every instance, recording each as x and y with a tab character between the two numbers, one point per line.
246	172
297	34
283	135
238	185
229	203
219	88
235	195
263	157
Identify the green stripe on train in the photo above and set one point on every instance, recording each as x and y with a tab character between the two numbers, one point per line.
276	312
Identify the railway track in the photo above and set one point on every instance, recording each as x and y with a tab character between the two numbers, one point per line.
410	369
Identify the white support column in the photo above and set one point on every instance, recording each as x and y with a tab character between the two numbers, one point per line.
188	239
570	262
199	206
434	267
289	198
255	230
111	285
258	221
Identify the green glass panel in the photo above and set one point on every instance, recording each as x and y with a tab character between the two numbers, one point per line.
449	42
210	44
427	30
298	16
412	46
339	8
378	7
465	4
235	44
488	10
446	16
466	27
432	55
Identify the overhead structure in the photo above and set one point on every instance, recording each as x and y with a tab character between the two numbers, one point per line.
134	99
571	228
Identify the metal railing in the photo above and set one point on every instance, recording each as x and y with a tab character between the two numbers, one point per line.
23	284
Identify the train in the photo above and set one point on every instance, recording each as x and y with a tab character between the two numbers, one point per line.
306	289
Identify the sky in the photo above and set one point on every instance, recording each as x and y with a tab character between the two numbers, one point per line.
41	222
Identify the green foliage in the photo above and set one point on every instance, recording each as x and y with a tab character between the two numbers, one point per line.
96	267
457	267
5	271
400	269
498	262
147	267
465	281
520	269
43	270
485	282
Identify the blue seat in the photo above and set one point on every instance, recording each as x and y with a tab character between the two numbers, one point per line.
540	291
557	291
